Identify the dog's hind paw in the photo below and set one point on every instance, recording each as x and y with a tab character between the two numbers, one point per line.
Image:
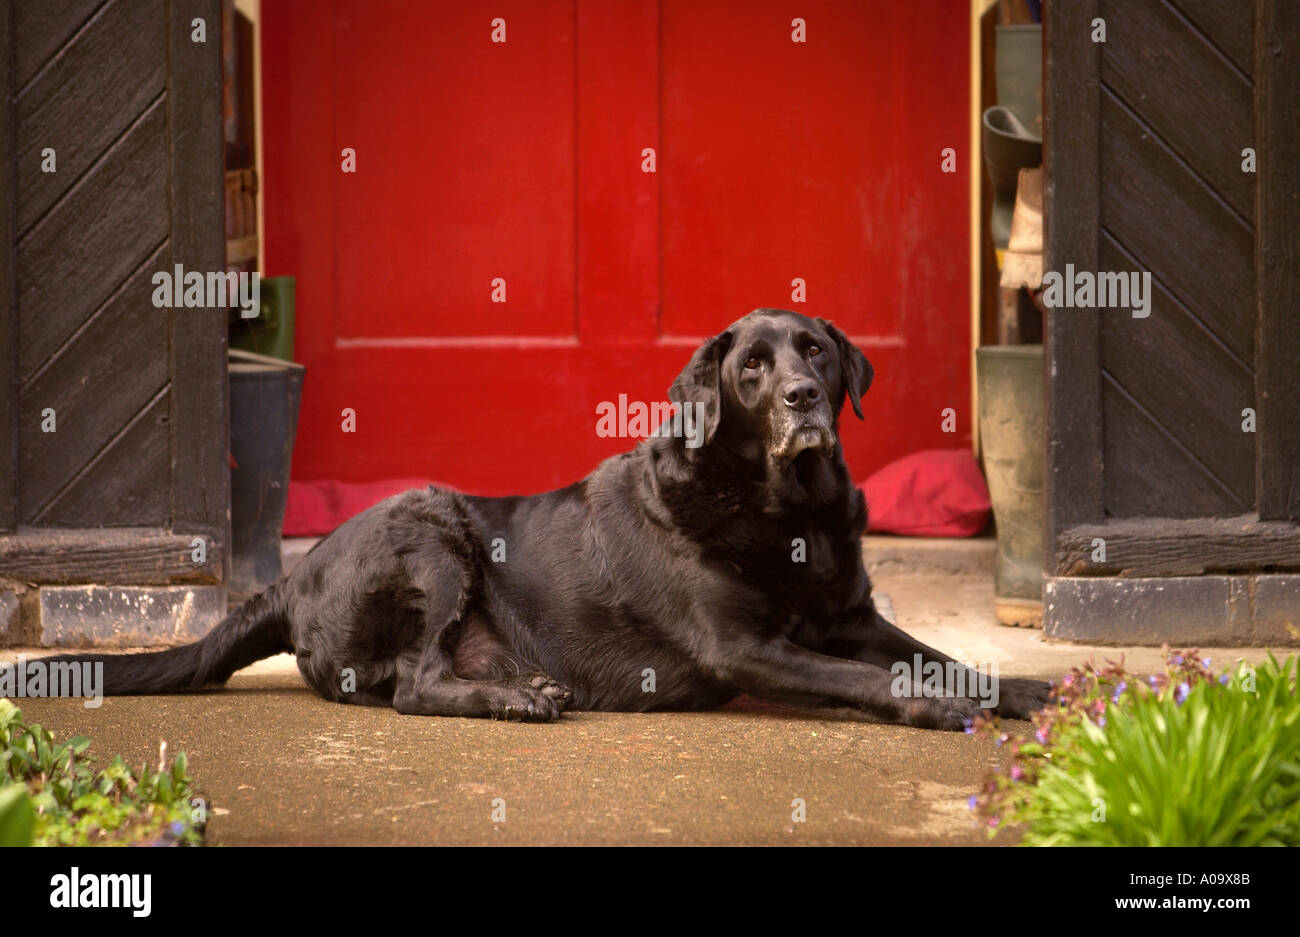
549	688
532	697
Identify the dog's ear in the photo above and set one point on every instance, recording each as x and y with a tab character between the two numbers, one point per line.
856	369
700	383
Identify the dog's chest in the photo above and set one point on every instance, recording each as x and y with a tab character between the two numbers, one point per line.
798	558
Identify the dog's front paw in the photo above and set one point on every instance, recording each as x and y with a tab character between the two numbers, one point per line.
951	713
1019	698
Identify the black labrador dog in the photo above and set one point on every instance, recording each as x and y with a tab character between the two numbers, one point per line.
699	566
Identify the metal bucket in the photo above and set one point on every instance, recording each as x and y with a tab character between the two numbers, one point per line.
1013	440
264	397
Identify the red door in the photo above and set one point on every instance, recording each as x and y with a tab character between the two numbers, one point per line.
485	166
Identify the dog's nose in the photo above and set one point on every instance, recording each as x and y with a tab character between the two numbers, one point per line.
801	396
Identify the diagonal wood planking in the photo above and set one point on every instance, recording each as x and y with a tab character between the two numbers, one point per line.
1176	111
81	103
46	27
119	486
1148	473
1178	228
91	346
1190	382
1186	91
110	369
1229	26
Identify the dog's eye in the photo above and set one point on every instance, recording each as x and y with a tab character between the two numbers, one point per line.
751	364
814	351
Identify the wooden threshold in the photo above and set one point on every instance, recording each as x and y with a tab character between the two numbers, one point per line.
108	556
1158	546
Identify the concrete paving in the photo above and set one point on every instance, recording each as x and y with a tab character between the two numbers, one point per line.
283	767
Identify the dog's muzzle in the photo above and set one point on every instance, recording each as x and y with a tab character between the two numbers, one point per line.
795	432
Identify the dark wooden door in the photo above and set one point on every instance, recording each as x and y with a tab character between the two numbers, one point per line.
114	410
1174	436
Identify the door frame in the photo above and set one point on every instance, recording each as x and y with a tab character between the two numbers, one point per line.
199	408
1221	580
1269	538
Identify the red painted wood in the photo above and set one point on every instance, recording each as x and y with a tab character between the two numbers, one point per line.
618	207
523	160
461	177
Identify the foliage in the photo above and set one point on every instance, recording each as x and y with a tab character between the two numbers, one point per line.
1182	758
51	796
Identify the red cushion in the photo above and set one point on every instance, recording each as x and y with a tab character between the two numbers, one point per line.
935	493
316	508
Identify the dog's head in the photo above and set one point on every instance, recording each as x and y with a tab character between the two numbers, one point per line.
770	389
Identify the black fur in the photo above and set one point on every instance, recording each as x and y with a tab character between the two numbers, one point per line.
669	562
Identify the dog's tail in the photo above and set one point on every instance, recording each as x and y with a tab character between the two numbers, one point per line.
259	628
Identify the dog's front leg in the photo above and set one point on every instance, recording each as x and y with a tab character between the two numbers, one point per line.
779	669
866	636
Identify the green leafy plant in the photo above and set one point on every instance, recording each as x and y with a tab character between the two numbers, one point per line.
51	796
1182	758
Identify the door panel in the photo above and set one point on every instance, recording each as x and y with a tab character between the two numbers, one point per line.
523	160
1186	389
780	160
456	172
1174	440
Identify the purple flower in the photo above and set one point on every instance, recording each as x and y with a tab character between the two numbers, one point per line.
970	802
1224	679
1101	721
1152	680
1181	694
1205	662
1179	660
1123	685
970	726
1041	734
1001	739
